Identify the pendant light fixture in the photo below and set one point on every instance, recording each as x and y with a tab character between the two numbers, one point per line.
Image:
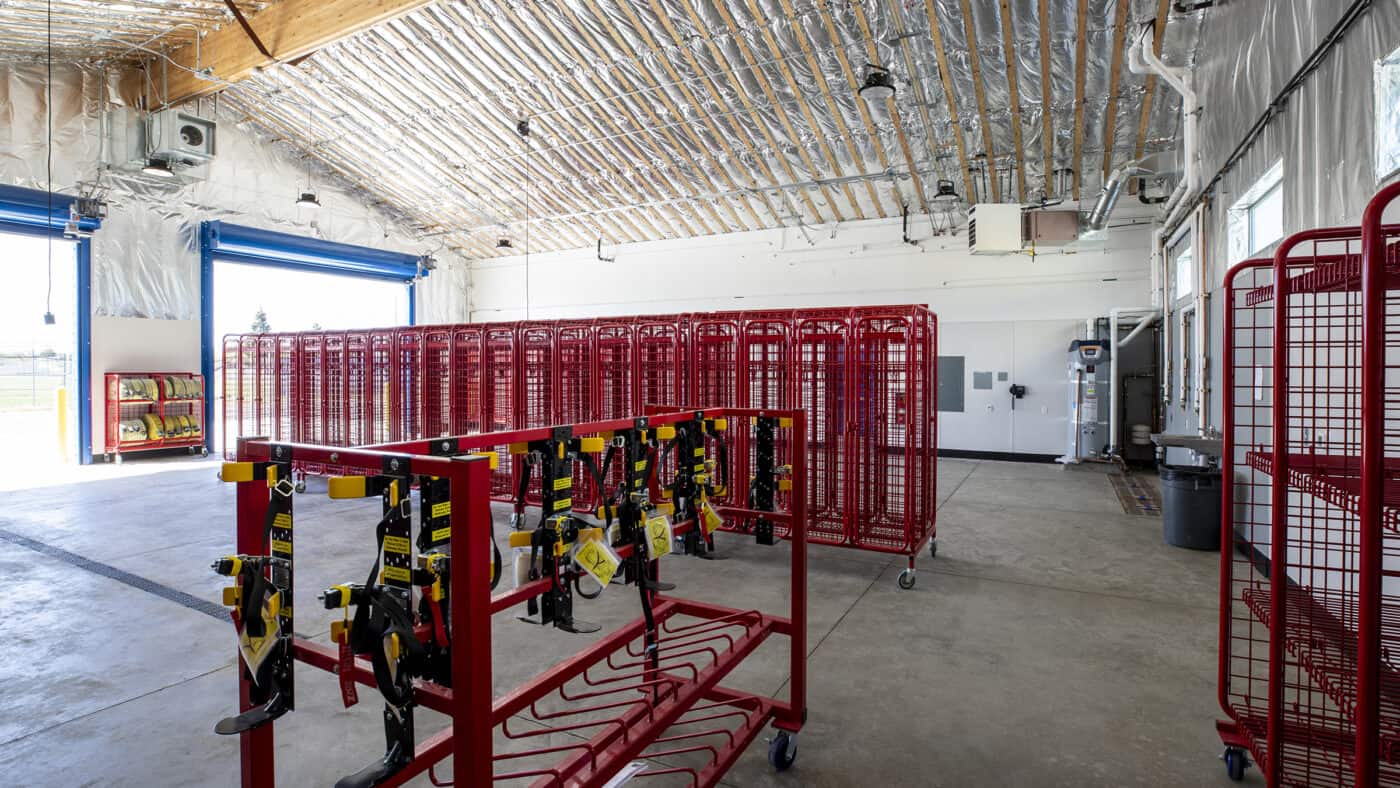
159	168
878	86
308	197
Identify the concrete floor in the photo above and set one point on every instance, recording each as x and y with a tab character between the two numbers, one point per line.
1054	641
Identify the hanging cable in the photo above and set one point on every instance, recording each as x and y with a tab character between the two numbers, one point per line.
48	163
523	129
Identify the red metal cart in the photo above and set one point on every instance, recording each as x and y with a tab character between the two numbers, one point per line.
146	411
614	701
1311	509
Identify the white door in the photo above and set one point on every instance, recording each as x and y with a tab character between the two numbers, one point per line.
985	421
1041	349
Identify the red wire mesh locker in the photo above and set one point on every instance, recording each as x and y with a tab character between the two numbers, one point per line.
767	375
498	369
380	410
309	406
538	405
887	441
336	403
231	394
715	382
437	382
823	369
576	398
467	387
357	414
659	359
615	373
406	393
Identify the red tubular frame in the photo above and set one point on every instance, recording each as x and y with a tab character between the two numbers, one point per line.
873	420
1332	714
670	695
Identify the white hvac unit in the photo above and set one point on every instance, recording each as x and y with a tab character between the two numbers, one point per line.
995	228
180	137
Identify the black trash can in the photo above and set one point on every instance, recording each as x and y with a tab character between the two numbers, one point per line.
1191	506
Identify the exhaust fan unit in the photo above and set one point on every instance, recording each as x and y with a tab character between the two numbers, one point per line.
179	137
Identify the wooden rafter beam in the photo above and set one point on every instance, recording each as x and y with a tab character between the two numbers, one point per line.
1150	87
1120	32
941	54
1008	40
1047	95
1081	28
289	29
975	62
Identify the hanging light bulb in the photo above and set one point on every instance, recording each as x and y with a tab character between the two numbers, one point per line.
308	197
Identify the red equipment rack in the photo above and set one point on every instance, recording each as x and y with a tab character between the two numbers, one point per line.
865	376
1308	614
158	399
609	699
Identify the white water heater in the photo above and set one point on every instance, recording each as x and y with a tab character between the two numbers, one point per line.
1088	400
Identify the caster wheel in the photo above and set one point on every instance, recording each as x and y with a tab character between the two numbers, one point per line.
107	458
906	579
933	548
300	487
203	451
782	751
117	458
1235	763
190	451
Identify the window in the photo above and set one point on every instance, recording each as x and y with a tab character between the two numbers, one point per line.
1256	219
1188	347
1183	269
1387	128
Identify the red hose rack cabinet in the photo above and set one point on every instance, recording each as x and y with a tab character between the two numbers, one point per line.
1310	605
615	706
865	376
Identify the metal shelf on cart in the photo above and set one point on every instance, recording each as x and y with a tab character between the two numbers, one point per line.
1325	648
1335	479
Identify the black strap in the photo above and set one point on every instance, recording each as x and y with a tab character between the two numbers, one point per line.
597	475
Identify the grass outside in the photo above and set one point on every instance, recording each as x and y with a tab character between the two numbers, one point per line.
27	392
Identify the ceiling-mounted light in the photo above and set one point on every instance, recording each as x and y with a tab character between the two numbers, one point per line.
879	84
946	190
159	168
309	199
504	243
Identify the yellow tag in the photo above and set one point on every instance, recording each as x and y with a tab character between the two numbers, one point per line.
700	452
699	467
659	536
398	573
441	509
598	560
442	534
279	546
563	503
396	544
563	483
713	522
639	465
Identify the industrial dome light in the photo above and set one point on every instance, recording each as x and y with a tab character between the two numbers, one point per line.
159	168
879	84
309	199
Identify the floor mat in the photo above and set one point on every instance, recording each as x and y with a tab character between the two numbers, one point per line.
1136	496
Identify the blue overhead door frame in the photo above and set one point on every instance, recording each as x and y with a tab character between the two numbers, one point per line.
33	212
238	244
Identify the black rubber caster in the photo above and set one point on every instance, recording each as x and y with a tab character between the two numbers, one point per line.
1235	763
782	751
906	579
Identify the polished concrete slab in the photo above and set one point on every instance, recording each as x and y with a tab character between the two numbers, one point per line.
1053	641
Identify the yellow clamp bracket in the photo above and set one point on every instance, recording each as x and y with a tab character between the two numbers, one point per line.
344	595
785	484
785	424
394	493
518	448
495	459
339	631
346	487
665	432
721	425
235	566
274	605
591	445
236	472
520	538
272	476
560	450
232	596
394	646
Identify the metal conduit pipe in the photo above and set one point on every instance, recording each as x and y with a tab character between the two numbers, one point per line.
1146	315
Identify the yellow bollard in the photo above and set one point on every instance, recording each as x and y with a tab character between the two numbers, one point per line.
60	401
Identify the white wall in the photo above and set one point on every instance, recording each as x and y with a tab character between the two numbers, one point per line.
1009	314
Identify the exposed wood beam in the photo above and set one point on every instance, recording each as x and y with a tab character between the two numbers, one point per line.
1009	45
756	119
700	144
751	62
1081	28
941	54
893	109
970	30
1150	87
805	106
1047	95
1120	31
290	29
835	38
758	165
